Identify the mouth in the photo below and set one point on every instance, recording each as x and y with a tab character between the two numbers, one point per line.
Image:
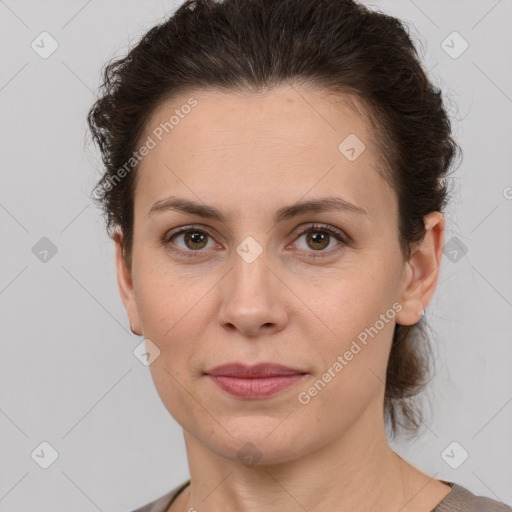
256	381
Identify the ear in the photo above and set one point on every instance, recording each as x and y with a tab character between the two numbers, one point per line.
422	271
125	283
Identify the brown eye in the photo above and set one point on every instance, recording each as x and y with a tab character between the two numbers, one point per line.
318	240
195	240
189	241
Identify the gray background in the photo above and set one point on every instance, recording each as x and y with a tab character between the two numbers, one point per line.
67	372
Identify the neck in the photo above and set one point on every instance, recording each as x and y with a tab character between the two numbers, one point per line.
357	471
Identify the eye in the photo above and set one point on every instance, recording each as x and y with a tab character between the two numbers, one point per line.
193	241
319	237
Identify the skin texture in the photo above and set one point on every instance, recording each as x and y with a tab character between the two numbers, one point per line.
248	156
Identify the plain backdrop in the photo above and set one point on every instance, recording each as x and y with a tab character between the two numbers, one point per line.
68	375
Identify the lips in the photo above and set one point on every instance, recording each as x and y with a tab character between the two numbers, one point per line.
253	372
256	381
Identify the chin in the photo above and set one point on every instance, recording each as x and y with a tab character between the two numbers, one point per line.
256	440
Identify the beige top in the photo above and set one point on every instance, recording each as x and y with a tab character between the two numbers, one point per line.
459	499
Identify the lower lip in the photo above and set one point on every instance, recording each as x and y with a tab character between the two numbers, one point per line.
255	388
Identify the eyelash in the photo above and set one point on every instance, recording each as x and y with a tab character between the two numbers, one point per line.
338	235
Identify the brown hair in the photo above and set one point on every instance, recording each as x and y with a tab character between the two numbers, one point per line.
251	45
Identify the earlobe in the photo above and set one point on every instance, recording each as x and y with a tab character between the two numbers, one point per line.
125	283
422	271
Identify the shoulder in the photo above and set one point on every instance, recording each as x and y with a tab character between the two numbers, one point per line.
162	503
460	499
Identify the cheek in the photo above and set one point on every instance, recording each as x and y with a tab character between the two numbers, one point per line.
166	297
170	316
169	311
346	303
356	318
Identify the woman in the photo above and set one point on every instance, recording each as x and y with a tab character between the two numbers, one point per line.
275	185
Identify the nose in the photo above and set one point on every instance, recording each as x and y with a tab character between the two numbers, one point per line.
252	300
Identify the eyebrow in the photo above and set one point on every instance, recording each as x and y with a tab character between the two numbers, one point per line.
323	204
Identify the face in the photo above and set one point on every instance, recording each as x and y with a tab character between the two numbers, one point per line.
316	289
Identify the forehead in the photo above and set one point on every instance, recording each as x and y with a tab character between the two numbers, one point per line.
283	144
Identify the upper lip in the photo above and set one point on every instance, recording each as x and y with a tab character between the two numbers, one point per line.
260	370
